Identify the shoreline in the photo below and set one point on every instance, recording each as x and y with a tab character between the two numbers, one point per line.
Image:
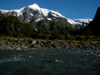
31	44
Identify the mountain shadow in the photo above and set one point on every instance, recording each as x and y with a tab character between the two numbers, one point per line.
94	26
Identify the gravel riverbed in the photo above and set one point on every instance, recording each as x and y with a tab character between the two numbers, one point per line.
27	44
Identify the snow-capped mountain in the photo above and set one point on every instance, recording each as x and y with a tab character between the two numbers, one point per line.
33	13
87	20
79	23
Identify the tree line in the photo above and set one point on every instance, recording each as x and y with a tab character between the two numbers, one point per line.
11	26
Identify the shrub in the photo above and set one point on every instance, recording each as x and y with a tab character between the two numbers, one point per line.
89	37
81	38
70	37
60	37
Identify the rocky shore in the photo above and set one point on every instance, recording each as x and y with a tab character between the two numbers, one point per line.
31	44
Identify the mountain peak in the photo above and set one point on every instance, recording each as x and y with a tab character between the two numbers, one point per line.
97	15
37	14
34	6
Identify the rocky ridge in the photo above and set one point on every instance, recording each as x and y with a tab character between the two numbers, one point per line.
34	14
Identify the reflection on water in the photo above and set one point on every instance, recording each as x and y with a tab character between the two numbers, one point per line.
50	62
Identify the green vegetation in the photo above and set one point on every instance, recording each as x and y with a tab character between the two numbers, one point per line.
2	16
10	26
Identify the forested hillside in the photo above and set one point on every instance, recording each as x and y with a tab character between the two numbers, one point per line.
11	26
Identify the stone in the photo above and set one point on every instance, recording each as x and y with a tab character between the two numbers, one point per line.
18	48
66	48
33	42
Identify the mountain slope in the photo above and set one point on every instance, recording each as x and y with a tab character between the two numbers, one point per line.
94	26
2	16
33	14
11	26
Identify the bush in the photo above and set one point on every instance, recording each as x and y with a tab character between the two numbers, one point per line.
81	38
60	37
89	37
70	37
96	38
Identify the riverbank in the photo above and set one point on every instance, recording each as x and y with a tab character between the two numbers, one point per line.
31	44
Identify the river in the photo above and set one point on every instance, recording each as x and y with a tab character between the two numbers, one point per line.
50	62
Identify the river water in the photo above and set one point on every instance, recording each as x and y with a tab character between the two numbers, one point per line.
50	62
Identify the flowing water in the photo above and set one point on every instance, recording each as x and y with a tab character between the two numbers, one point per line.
49	62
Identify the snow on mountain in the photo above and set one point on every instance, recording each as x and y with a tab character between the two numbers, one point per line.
45	12
73	22
79	23
18	12
87	20
39	19
49	19
35	13
57	14
4	11
34	7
